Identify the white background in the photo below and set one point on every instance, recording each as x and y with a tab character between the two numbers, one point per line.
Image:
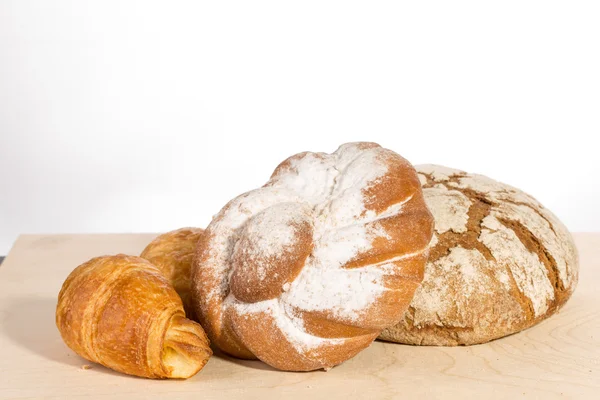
122	116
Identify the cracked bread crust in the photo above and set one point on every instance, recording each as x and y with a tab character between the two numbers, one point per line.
499	263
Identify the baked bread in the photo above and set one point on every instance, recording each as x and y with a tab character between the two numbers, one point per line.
172	253
121	312
306	271
499	263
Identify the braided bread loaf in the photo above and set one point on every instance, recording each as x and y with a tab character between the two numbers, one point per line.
306	271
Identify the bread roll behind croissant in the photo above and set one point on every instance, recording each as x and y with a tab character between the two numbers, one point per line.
172	253
121	312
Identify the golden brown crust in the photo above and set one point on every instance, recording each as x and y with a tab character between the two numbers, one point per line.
264	337
121	312
173	253
406	233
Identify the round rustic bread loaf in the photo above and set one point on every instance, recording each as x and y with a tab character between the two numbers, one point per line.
499	263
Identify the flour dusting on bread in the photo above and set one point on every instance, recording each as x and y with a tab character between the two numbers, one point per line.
325	213
499	262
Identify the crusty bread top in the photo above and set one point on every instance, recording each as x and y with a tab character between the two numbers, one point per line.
336	238
499	261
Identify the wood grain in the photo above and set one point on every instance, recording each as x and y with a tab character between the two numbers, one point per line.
560	358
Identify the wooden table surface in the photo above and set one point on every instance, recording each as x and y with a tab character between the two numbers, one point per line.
560	358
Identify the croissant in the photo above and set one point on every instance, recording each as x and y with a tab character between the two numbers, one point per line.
306	271
121	312
172	253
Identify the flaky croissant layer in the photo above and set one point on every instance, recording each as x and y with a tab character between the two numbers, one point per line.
122	312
